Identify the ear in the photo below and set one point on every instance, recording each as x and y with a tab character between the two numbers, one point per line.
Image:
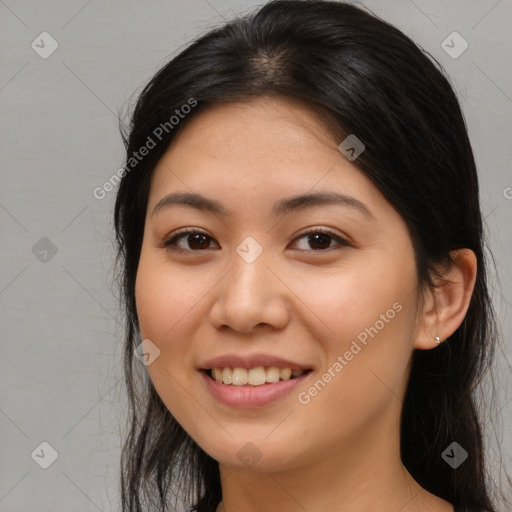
446	305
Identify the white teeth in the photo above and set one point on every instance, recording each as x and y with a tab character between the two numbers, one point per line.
285	374
255	376
227	375
273	374
239	376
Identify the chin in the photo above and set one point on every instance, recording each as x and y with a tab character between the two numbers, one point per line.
255	454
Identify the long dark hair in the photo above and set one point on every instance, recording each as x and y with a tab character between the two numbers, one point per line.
367	78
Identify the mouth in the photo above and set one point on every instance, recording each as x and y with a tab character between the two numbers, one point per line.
251	388
253	377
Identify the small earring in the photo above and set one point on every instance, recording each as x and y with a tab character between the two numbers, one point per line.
438	340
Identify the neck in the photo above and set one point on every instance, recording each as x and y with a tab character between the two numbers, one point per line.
365	474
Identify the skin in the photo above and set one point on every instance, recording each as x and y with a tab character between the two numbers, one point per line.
340	451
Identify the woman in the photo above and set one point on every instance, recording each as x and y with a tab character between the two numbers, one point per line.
303	272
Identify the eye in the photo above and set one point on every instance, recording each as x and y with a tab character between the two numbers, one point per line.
322	239
196	241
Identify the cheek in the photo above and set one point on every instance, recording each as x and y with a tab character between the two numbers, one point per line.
348	300
165	309
165	298
366	330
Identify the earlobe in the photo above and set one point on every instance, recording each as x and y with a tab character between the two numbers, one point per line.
448	303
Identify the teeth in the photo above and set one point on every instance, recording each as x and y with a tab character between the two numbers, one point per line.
272	374
285	374
227	376
255	376
239	377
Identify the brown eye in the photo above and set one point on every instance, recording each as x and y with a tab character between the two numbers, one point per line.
195	240
321	240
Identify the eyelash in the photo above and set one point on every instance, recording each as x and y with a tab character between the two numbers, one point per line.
170	242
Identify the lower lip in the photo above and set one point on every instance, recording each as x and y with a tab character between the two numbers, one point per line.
251	396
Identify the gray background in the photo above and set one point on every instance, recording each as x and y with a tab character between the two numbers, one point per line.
60	373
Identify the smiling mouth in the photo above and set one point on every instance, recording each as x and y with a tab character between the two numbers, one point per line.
254	376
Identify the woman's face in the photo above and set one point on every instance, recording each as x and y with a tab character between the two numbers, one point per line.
250	284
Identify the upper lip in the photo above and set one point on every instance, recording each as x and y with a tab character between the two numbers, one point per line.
251	361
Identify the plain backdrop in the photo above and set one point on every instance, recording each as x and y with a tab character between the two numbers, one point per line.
61	375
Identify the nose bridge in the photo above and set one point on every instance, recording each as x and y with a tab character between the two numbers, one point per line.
248	285
250	294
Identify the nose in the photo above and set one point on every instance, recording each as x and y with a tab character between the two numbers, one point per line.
250	295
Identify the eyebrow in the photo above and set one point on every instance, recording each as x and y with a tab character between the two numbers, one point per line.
281	207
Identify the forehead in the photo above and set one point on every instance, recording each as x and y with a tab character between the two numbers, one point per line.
257	152
268	128
269	137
